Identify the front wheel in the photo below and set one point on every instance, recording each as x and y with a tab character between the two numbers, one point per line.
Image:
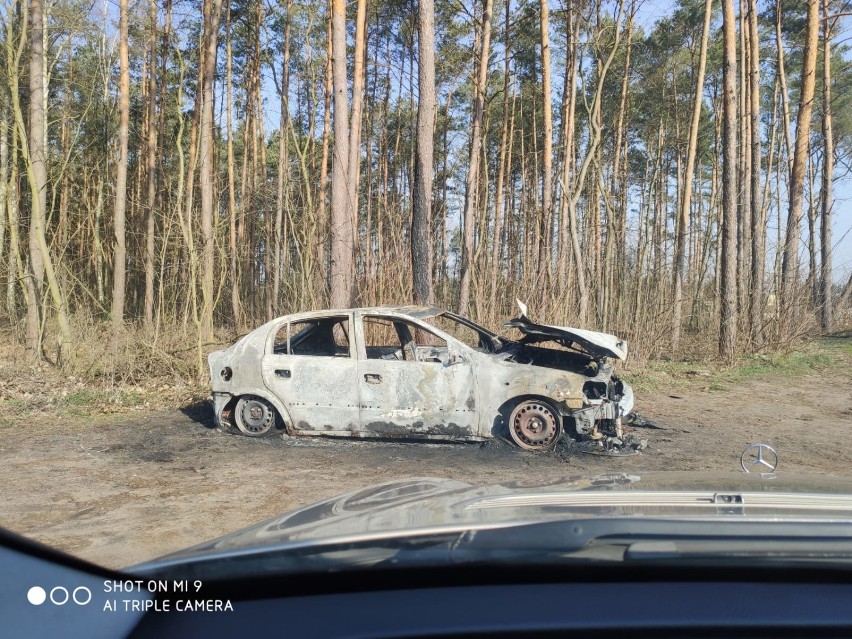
534	425
254	416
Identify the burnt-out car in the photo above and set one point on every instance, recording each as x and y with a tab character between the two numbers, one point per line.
421	373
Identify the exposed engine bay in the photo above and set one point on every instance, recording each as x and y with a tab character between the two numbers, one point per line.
582	352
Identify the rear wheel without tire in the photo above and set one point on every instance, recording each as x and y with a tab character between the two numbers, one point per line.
534	425
254	416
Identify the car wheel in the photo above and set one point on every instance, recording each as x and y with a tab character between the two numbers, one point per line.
254	416
534	425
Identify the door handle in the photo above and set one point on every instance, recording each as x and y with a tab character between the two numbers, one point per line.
371	378
282	373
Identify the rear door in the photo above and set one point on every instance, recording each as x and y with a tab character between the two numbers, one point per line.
311	367
412	382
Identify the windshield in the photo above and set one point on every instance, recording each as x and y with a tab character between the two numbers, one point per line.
359	278
465	331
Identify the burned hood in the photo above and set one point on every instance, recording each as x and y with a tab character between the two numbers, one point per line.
594	343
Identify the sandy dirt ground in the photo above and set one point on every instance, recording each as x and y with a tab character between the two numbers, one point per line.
120	490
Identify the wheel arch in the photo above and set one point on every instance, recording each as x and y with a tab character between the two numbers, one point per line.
276	403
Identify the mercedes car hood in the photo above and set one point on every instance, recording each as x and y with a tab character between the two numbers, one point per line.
429	505
594	343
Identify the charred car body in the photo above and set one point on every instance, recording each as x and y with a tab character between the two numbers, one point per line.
421	373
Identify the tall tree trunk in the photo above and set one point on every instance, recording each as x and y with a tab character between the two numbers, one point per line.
61	236
744	180
618	227
342	228
35	154
236	305
283	163
163	198
212	12
825	300
9	220
442	258
686	199
505	164
595	133
18	271
811	282
547	152
120	250
358	75
845	294
421	221
728	267
151	167
782	78
790	262
758	222
323	179
567	232
36	161
472	182
4	177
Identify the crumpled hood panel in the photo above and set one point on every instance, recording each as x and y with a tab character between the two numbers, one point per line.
594	343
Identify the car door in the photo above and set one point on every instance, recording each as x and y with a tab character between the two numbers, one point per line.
310	365
413	381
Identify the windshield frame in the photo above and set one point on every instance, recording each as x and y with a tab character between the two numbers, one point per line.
494	338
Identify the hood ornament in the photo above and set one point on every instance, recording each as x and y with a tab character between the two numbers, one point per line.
756	456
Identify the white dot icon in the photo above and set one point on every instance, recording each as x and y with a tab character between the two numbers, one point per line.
36	595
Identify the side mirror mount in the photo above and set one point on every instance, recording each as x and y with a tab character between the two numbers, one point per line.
454	357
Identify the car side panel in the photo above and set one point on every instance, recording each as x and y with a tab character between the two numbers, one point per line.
320	393
500	382
433	400
420	399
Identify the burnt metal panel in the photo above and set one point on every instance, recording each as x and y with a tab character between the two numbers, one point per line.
460	393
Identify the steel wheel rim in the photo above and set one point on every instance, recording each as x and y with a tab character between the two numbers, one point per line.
534	426
254	417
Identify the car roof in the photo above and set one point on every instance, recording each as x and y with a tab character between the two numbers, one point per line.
417	312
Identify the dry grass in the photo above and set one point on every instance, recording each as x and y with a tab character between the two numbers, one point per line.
138	370
807	357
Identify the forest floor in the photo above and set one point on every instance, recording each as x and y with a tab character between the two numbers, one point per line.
118	477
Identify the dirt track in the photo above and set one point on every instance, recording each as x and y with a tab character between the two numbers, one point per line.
126	491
